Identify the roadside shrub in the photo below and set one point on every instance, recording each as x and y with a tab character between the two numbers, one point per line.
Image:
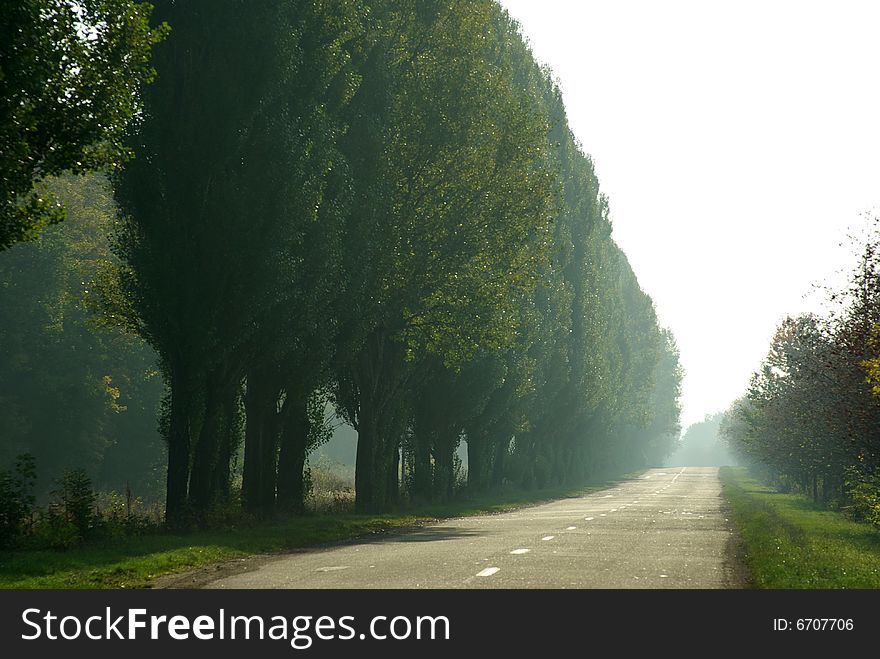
75	513
864	493
54	531
226	513
120	515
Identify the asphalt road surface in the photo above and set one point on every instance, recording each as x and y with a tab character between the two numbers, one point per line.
667	528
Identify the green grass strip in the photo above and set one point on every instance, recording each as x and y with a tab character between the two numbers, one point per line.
134	562
790	543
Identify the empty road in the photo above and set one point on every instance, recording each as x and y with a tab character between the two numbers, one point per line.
667	528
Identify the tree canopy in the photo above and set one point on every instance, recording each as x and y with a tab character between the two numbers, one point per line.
69	79
810	416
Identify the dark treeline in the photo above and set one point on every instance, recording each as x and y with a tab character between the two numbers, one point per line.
377	204
811	415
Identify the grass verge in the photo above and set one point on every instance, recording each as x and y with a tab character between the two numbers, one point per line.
135	562
788	542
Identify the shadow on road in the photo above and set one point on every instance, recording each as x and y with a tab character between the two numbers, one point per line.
429	534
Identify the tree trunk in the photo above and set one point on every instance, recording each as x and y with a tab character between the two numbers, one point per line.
404	469
383	460
229	442
292	457
478	464
207	449
444	465
363	473
379	374
421	465
499	461
178	451
382	441
394	478
261	443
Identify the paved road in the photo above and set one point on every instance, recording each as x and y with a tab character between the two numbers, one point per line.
665	529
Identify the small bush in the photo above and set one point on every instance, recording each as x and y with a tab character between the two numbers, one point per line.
54	531
16	499
75	501
226	513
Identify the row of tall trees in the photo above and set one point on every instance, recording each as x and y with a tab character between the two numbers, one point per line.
810	417
379	205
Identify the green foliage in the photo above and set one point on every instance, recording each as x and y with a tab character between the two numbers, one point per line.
75	513
601	379
54	531
864	494
74	501
69	77
809	418
450	163
16	498
320	431
122	515
74	393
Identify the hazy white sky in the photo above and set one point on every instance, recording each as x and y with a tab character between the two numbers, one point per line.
738	143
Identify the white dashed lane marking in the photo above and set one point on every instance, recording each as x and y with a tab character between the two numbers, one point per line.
488	572
520	551
548	537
